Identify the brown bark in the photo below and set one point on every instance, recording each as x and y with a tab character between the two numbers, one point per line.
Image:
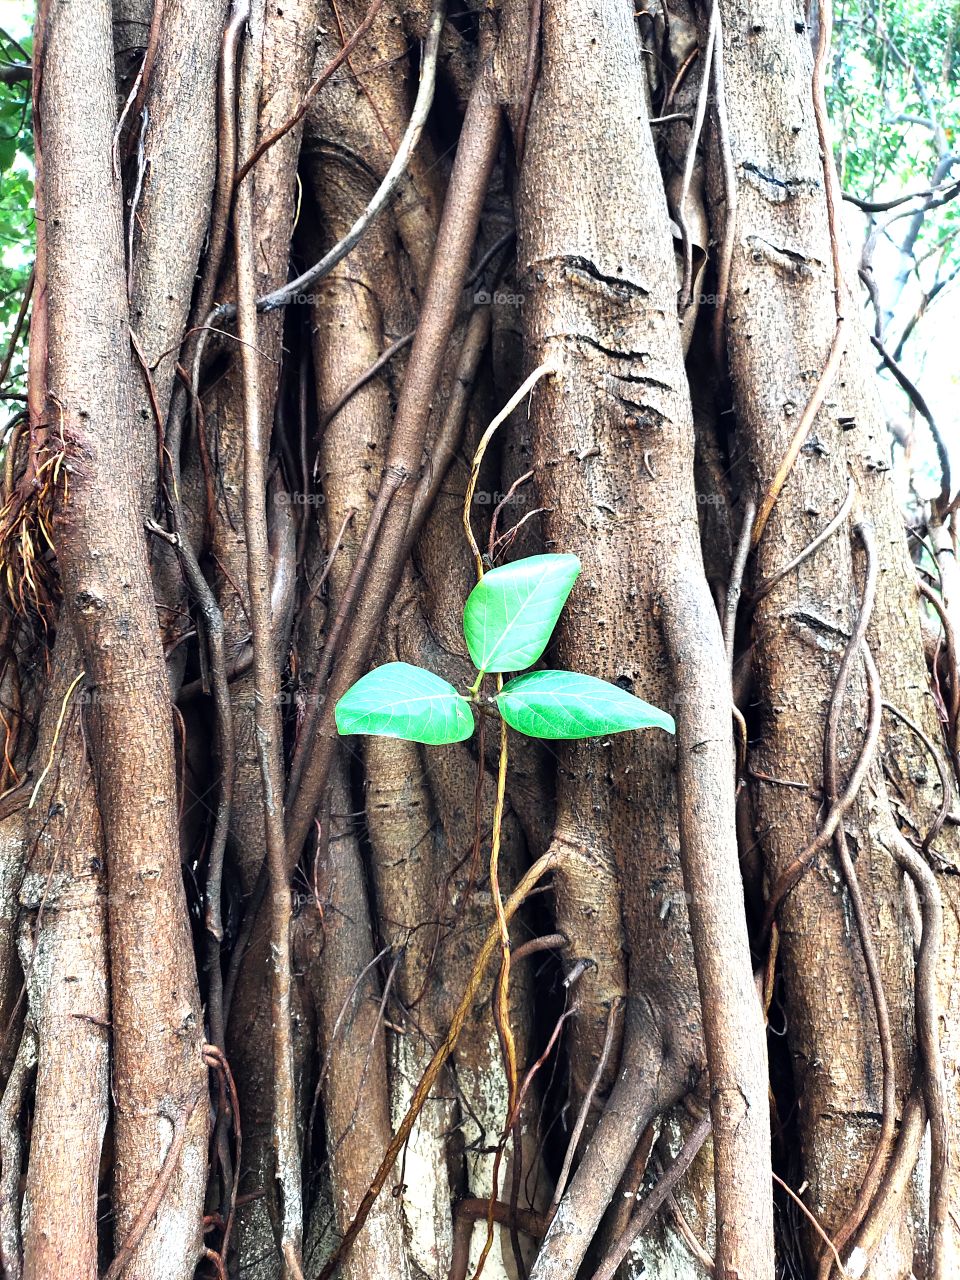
613	448
781	311
352	308
157	1068
268	729
314	488
174	204
353	1081
63	896
479	140
285	50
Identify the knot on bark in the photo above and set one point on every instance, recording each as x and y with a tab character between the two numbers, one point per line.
733	1106
88	602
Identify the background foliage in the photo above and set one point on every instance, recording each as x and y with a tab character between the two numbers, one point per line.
17	230
895	105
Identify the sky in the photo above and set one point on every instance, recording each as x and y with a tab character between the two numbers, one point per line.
16	17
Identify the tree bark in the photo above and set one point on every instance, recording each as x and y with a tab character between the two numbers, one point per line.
613	449
217	920
158	1071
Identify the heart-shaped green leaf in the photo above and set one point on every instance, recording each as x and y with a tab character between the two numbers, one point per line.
563	704
511	612
401	701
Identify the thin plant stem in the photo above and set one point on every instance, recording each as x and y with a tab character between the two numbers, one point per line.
502	998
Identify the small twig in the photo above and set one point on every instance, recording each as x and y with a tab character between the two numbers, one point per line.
681	75
535	18
687	1234
884	206
15	72
811	1218
467	1212
517	398
446	442
217	1261
628	1192
874	1172
791	875
545	864
673	116
941	769
768	584
513	1127
267	731
390	483
952	658
383	359
195	688
500	243
345	1008
736	579
548	942
56	738
141	84
333	65
142	165
226	154
725	256
578	1127
789	879
686	288
216	1058
897	1177
504	502
289	292
921	406
927	1000
652	1203
506	540
328	563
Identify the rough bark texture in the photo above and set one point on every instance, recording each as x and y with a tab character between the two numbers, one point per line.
779	322
158	1073
613	452
211	527
64	949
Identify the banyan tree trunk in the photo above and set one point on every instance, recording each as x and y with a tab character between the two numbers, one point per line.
248	968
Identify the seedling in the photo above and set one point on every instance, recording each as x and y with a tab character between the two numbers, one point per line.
507	621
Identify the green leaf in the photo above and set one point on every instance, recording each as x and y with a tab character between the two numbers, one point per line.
564	704
401	701
510	614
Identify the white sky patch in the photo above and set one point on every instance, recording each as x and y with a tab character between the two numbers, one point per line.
16	18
